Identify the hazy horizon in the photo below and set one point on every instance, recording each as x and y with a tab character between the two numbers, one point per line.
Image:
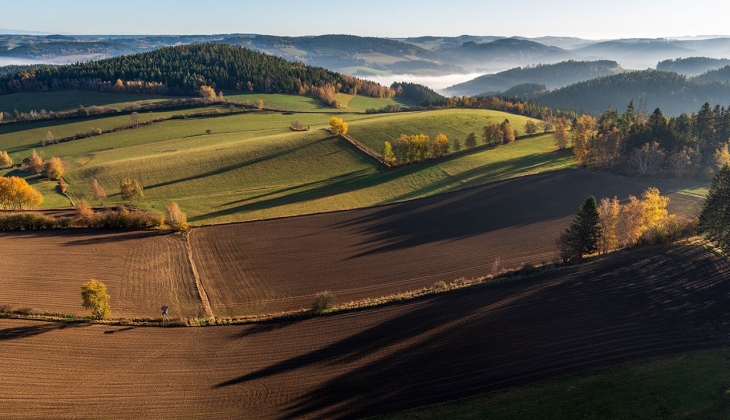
380	18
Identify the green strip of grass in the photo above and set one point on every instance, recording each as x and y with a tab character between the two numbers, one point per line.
690	386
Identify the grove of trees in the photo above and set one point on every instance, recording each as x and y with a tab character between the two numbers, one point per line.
17	194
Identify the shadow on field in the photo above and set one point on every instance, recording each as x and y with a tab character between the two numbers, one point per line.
229	168
363	179
37	329
266	326
632	306
471	212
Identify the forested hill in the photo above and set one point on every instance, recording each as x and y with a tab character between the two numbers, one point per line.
721	75
183	69
553	76
692	66
671	92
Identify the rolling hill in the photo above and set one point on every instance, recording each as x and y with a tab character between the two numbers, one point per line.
553	76
692	66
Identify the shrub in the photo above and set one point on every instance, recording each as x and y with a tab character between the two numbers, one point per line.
439	286
24	311
323	302
95	297
6	309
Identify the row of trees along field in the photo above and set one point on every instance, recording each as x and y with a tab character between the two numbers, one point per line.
184	69
609	225
407	149
632	142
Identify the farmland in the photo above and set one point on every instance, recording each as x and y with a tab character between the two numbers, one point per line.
252	166
65	100
279	265
629	306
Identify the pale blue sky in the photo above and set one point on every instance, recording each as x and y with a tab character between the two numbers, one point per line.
384	18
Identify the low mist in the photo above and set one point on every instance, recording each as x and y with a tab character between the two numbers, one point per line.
437	83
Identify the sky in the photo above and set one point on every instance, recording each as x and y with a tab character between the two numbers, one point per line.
381	18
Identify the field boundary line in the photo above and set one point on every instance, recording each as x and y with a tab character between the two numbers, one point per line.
198	283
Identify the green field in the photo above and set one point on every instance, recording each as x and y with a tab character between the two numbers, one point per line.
455	123
252	166
691	386
362	103
67	100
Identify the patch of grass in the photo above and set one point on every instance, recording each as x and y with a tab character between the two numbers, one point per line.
362	103
279	101
692	385
67	100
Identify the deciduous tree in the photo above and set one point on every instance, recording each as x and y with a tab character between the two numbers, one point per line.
96	298
387	154
560	135
722	156
631	222
648	159
471	140
530	127
207	92
655	212
98	190
609	211
176	219
338	127
440	145
493	134
54	168
584	129
34	163
131	190
5	159
17	194
508	135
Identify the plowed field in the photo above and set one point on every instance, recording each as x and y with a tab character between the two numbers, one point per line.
630	306
142	271
280	265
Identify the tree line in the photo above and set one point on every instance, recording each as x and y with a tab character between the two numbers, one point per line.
184	69
609	225
645	145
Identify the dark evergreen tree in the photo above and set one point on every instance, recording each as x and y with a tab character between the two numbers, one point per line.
585	231
715	216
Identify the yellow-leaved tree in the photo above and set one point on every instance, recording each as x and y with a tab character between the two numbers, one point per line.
338	127
440	145
176	219
207	92
96	298
17	194
5	159
584	129
722	156
655	211
609	211
54	168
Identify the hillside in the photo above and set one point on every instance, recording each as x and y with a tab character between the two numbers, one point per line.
553	76
720	75
692	66
635	54
506	51
181	70
630	306
671	92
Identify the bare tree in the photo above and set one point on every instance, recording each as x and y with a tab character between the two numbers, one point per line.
648	159
135	118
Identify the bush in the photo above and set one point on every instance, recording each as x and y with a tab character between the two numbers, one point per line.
26	221
439	286
324	301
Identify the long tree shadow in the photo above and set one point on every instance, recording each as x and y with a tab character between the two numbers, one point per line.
15	333
474	211
454	345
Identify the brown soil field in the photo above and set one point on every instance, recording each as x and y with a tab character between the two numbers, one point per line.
629	306
142	271
280	265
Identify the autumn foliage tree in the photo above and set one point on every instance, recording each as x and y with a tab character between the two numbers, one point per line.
530	127
206	92
338	127
492	134
440	145
176	219
560	133
95	297
471	140
131	190
387	153
54	168
17	194
583	133
508	134
5	160
34	163
98	190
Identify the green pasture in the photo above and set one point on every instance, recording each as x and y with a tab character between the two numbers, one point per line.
68	100
252	166
690	386
455	123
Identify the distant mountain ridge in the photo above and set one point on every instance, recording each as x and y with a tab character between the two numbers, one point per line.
552	76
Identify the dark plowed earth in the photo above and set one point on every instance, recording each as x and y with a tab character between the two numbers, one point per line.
630	306
279	265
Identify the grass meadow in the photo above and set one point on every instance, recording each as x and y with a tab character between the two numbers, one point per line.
253	166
